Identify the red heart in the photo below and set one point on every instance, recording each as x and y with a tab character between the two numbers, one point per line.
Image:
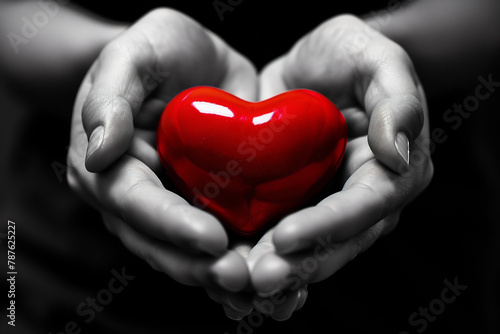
250	163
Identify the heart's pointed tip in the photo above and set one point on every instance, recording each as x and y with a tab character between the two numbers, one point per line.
248	230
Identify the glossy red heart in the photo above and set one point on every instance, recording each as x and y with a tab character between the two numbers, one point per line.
250	163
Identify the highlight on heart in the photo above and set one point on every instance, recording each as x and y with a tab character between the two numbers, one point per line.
250	163
248	149
248	167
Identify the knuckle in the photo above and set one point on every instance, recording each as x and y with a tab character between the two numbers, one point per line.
394	50
92	104
166	15
347	19
115	49
112	48
384	53
408	108
381	199
94	100
131	194
163	13
398	51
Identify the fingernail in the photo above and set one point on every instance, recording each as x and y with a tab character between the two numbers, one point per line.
95	140
403	147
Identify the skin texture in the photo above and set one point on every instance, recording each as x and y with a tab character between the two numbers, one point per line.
119	116
380	95
373	83
115	161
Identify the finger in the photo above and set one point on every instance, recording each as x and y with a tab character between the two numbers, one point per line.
272	82
263	278
232	274
133	66
357	122
150	113
143	149
395	122
134	193
272	274
113	94
242	248
393	98
385	84
263	246
374	70
183	267
118	84
357	153
294	271
371	193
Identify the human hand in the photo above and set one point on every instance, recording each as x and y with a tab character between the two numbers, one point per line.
47	68
280	305
112	158
387	159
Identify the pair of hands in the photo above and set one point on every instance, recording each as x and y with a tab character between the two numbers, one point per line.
114	164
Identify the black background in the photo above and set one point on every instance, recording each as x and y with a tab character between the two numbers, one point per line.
451	231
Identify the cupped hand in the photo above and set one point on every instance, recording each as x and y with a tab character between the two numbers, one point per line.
372	81
279	306
387	159
112	158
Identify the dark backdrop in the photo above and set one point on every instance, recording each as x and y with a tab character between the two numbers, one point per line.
450	232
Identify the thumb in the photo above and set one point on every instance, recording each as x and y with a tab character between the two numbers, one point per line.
113	92
395	124
109	127
121	79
